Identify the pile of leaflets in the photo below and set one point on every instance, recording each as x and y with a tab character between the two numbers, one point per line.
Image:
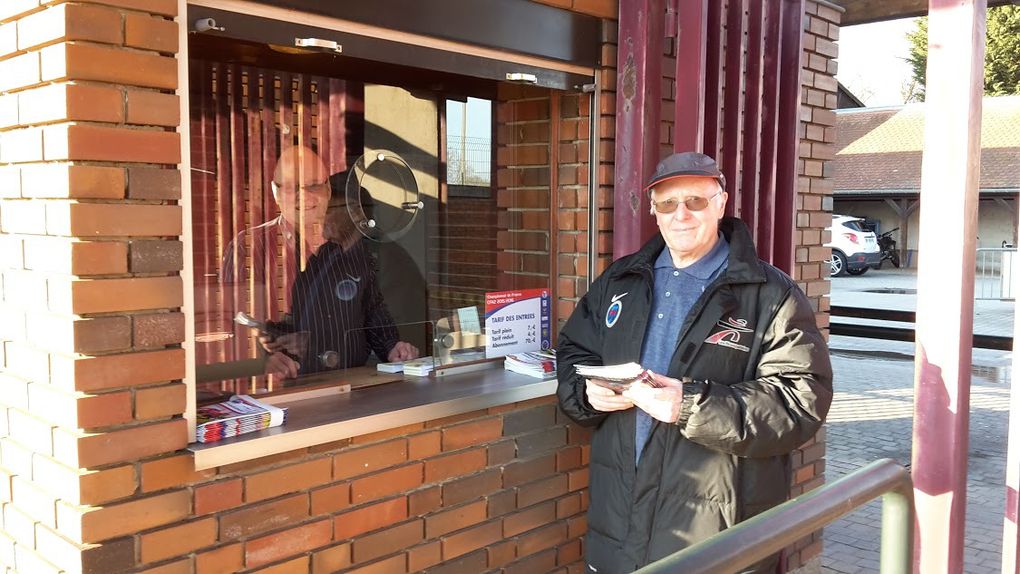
238	415
616	377
398	367
538	364
419	367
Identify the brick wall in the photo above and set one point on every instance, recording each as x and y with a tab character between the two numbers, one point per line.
814	209
90	326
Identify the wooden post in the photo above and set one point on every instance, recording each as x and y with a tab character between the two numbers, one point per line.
945	280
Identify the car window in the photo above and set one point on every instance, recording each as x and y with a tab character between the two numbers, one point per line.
854	224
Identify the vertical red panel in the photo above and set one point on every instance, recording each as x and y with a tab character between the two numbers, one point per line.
337	125
788	147
324	113
638	105
749	189
256	207
769	129
237	190
270	135
692	43
287	140
713	80
730	161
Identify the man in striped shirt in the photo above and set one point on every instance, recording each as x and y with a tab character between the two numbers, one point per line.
313	257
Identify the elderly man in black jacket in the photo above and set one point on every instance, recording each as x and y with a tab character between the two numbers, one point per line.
740	377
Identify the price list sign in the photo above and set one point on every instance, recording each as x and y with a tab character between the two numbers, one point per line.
516	322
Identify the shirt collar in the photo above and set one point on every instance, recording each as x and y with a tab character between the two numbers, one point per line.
703	268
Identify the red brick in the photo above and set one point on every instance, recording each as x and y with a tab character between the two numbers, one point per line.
127	369
472	433
544	562
387	434
369	518
387	482
122	445
424	555
272	483
471	539
331	559
101	334
423	445
356	462
540	490
153	108
108	64
471	487
288	542
102	143
502	553
160	7
154	183
387	541
111	295
171	472
529	519
217	496
528	470
65	22
263	517
458	464
83	258
177	540
157	330
96	524
331	498
458	518
424	501
61	180
392	565
147	33
541	539
224	559
160	402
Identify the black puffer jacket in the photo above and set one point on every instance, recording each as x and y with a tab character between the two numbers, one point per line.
761	384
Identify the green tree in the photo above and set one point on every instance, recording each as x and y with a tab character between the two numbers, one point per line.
1002	53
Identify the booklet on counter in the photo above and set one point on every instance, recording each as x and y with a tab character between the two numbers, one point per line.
538	364
238	415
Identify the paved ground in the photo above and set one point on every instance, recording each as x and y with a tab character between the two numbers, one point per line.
871	419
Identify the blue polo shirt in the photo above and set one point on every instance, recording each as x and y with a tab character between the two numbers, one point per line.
674	292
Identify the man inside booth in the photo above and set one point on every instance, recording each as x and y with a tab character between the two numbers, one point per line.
333	314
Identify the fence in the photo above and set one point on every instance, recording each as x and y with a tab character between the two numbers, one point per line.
758	537
993	278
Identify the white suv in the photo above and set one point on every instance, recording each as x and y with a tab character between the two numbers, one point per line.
854	246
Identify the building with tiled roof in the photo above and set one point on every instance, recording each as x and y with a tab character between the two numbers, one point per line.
877	171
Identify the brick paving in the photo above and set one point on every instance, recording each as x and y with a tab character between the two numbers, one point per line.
871	418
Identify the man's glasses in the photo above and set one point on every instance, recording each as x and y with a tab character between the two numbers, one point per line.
692	203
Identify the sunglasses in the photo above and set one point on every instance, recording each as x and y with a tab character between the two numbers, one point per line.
692	203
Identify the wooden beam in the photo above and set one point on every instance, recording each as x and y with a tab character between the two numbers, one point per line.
867	11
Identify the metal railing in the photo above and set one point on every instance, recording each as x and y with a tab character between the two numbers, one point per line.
993	276
765	534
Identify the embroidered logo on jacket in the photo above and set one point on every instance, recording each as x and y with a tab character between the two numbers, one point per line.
615	308
732	330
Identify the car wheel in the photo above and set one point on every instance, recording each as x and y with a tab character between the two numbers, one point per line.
837	264
860	271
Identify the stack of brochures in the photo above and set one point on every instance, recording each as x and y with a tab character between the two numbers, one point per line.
241	414
538	364
419	367
398	367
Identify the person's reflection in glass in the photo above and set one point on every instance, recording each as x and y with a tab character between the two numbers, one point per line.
336	314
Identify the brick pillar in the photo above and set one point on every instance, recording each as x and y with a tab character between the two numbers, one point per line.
89	318
814	210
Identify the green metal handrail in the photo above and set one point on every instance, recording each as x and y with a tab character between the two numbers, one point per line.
760	536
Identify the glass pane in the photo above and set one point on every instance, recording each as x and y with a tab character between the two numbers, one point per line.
339	222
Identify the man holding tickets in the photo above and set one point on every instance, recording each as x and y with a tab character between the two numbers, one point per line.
741	378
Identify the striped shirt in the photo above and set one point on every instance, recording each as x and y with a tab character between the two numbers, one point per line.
334	302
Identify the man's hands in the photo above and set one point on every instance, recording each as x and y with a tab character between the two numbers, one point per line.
402	351
660	403
606	400
280	365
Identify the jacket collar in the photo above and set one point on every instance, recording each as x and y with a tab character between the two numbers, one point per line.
742	266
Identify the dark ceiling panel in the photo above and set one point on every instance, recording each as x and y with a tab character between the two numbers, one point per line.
866	11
